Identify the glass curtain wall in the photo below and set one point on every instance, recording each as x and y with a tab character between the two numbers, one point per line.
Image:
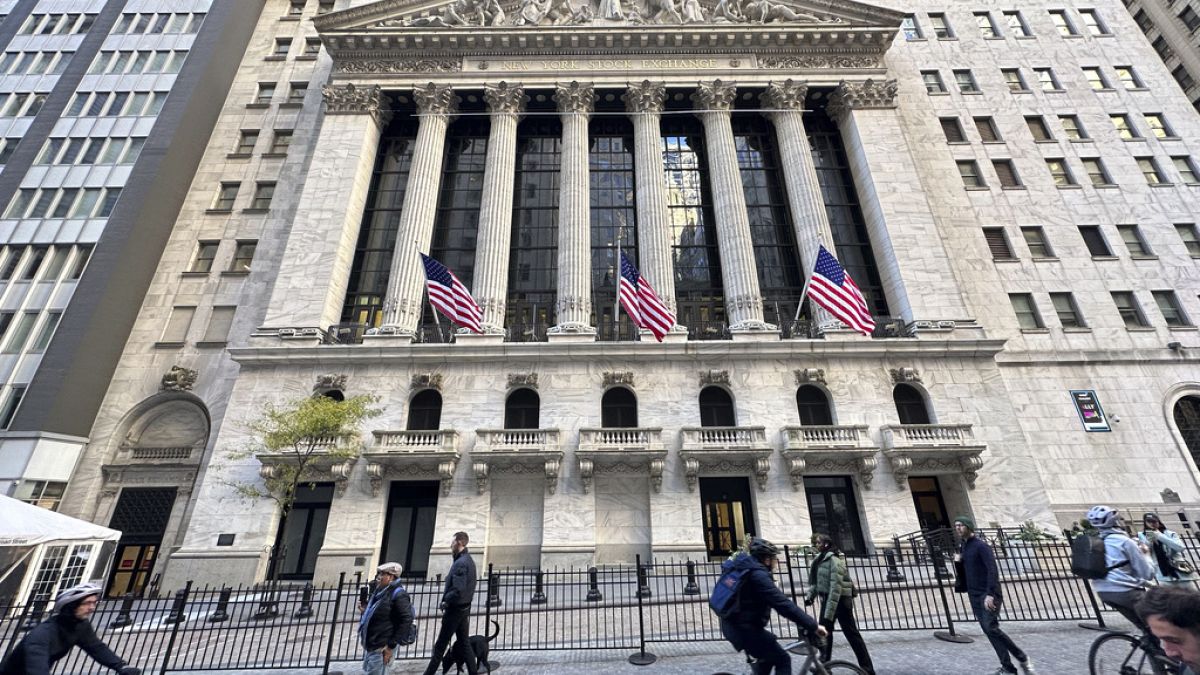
532	264
613	214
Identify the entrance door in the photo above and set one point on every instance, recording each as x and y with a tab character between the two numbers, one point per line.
141	515
834	511
408	534
927	498
302	533
728	515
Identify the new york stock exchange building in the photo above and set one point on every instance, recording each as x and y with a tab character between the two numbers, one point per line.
1014	373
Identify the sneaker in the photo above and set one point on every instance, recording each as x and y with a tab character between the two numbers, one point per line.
1026	667
1004	671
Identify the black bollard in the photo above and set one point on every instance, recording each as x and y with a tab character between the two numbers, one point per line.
691	588
305	610
222	611
177	614
268	607
894	575
125	616
643	590
896	546
493	597
539	591
593	594
37	610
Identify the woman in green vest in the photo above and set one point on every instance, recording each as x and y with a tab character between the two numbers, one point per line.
829	580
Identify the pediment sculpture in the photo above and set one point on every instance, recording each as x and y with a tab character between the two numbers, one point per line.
478	13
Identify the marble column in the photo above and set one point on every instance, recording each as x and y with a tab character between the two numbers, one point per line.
574	305
809	218
310	288
405	293
743	299
505	102
645	103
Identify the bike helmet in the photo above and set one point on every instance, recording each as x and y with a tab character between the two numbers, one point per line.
761	548
75	594
1102	516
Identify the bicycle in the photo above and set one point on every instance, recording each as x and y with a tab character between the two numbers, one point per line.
812	663
1119	653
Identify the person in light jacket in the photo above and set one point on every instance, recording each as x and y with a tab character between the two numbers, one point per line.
1166	552
829	580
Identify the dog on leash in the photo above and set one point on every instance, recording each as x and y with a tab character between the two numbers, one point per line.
478	644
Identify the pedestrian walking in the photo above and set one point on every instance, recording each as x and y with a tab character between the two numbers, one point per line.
456	607
1166	552
69	626
386	620
1173	615
829	580
983	590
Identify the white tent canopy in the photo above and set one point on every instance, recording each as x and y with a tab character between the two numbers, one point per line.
24	524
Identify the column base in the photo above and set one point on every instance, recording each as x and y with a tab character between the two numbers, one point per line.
469	338
677	334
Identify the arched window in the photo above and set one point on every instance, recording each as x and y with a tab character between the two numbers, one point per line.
910	405
335	394
521	409
618	409
813	406
425	411
1187	418
716	408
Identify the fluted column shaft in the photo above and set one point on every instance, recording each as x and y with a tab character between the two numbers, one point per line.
495	208
743	299
402	311
645	102
574	306
809	217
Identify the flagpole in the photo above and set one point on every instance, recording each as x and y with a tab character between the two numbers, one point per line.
617	287
432	310
807	281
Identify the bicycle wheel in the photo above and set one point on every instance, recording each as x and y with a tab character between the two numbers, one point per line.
1119	654
840	668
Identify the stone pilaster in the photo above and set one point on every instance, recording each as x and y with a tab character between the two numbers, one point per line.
645	103
809	218
743	299
310	287
405	295
574	306
505	101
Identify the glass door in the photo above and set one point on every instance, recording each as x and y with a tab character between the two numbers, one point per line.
834	511
728	515
408	535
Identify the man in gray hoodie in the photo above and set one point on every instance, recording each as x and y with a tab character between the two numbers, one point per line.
1128	571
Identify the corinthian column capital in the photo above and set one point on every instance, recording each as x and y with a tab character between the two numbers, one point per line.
347	99
505	98
647	97
787	96
435	99
861	95
574	97
715	95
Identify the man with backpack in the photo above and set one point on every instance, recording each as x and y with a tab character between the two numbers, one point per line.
743	599
983	590
1121	577
386	621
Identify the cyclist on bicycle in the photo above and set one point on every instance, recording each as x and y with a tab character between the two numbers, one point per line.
68	627
1173	614
746	628
1128	571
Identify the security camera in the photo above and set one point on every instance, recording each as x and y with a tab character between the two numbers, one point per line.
1174	346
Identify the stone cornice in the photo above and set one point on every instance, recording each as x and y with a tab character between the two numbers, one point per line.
861	96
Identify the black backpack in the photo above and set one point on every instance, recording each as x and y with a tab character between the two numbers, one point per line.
1087	557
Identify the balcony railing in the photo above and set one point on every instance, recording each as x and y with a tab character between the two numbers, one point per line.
348	333
932	447
829	448
432	452
516	440
807	437
708	330
523	448
618	448
901	436
441	440
744	447
616	331
526	332
164	453
724	438
623	439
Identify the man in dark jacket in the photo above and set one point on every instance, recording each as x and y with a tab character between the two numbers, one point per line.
746	628
456	607
66	628
983	590
386	621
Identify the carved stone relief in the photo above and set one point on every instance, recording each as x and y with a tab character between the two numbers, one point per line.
617	378
480	13
381	66
516	380
810	376
900	375
427	381
714	377
178	378
329	382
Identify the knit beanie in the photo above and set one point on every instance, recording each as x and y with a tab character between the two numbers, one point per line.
966	521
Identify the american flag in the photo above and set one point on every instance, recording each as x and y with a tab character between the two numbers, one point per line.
832	288
641	303
448	295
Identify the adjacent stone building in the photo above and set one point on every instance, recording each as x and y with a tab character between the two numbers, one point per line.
1026	239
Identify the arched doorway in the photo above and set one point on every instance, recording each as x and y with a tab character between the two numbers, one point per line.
1187	419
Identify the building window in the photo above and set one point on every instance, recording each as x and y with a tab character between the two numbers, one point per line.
1143	21
263	192
1016	24
11	404
813	406
1187	234
933	82
1149	169
1183	77
246	142
997	243
206	252
1134	242
281	141
1129	310
1095	78
19	334
1093	239
46	333
82	256
36	257
910	405
1091	21
282	45
1047	79
969	171
1162	48
1158	125
1037	128
1124	128
266	92
1186	168
987	27
953	130
425	410
243	255
178	324
716	408
1096	171
1128	78
1067	311
522	409
618	409
1026	311
966	82
988	132
1007	173
1190	18
1060	172
1035	240
324	7
226	194
1072	128
1014	79
296	93
941	27
219	323
1061	23
44	493
1187	418
1169	306
312	46
912	30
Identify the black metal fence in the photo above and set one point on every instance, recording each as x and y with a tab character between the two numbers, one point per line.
907	587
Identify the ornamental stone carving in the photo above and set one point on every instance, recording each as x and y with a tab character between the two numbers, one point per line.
427	381
435	99
714	377
505	98
900	375
574	97
481	13
715	95
622	378
178	378
647	97
860	96
351	100
517	380
787	96
820	61
387	66
330	382
810	376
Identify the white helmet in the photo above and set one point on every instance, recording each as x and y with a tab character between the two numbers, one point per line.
1102	516
75	594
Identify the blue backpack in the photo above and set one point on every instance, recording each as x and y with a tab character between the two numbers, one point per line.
724	599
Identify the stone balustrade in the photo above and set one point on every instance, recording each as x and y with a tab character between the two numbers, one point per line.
181	452
725	449
829	449
516	450
633	450
413	454
932	448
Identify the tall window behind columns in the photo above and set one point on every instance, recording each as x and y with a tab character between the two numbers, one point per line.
532	268
699	291
775	254
613	211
